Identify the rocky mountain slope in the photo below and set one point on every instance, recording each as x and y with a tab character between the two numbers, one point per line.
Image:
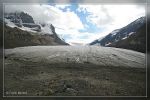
132	36
21	30
135	42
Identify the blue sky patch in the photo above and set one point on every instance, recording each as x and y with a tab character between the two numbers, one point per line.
88	27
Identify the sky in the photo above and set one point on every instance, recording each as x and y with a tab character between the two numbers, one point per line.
81	24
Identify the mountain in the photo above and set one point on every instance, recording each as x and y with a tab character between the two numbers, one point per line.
132	36
25	22
21	30
135	41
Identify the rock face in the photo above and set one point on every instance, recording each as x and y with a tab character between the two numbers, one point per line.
132	36
19	17
15	37
21	30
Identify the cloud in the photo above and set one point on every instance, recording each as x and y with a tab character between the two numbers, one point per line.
68	23
62	6
111	17
74	36
112	1
116	15
49	14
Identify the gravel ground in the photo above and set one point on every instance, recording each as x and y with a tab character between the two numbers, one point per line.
74	71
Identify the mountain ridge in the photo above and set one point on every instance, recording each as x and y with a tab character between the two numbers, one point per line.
124	33
21	32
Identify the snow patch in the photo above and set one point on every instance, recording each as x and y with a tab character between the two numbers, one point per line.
9	23
124	38
107	44
114	32
44	29
131	33
27	29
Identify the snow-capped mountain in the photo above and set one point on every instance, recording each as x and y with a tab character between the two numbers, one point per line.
21	30
121	34
25	22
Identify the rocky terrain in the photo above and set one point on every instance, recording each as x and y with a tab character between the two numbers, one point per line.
135	42
15	37
74	71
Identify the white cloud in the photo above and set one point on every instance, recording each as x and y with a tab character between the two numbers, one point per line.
67	21
78	37
62	6
62	1
115	16
106	17
49	14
